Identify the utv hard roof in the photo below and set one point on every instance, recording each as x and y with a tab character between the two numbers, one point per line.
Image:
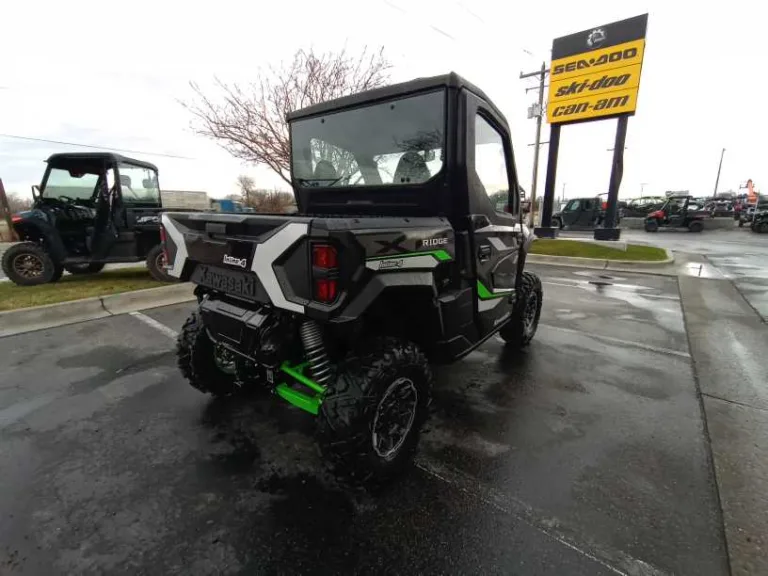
64	158
450	80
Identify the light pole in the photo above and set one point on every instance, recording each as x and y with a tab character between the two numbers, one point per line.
642	187
719	168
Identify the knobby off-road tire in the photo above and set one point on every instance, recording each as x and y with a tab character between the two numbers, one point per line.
156	265
369	422
521	328
84	268
196	356
651	226
28	264
696	226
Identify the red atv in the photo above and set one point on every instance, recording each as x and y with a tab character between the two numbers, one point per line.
678	212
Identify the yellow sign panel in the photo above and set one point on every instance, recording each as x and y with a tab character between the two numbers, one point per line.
592	106
598	61
595	83
596	73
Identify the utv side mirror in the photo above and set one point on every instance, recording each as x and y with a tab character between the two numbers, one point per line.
35	191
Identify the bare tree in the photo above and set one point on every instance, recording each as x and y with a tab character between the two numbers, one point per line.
274	201
17	202
247	189
249	120
261	199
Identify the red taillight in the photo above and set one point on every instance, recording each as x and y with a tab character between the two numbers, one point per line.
16	218
324	256
325	289
325	264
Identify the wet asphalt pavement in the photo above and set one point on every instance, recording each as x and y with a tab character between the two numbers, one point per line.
585	454
740	256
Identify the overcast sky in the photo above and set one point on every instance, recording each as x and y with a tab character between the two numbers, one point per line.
111	74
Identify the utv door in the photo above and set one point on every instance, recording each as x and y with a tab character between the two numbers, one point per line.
676	212
495	236
139	211
571	214
590	212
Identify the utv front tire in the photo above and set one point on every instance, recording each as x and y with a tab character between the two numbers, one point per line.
200	362
651	225
84	268
370	420
156	265
28	264
696	226
521	328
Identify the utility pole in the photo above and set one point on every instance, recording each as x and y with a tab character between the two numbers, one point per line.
5	212
720	167
536	111
563	198
642	187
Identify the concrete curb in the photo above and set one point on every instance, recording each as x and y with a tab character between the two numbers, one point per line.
52	315
599	264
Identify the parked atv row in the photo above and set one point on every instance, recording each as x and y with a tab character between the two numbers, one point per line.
91	209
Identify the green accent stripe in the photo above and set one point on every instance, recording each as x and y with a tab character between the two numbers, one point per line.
484	294
440	255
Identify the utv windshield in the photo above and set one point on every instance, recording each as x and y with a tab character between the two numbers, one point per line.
393	143
70	184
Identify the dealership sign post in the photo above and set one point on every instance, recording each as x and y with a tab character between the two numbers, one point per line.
595	75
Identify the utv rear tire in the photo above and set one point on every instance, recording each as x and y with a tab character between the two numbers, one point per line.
156	265
521	328
199	362
84	268
28	264
651	226
696	226
369	422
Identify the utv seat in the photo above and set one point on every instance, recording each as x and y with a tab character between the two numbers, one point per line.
411	169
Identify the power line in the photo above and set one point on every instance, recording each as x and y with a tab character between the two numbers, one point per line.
478	18
29	138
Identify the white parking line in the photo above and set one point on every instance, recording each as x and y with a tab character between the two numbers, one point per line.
170	332
619	341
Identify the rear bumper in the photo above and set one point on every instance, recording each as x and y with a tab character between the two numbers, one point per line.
238	329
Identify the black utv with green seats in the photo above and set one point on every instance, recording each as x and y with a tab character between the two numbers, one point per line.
396	259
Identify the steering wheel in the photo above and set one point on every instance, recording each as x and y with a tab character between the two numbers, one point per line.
67	198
